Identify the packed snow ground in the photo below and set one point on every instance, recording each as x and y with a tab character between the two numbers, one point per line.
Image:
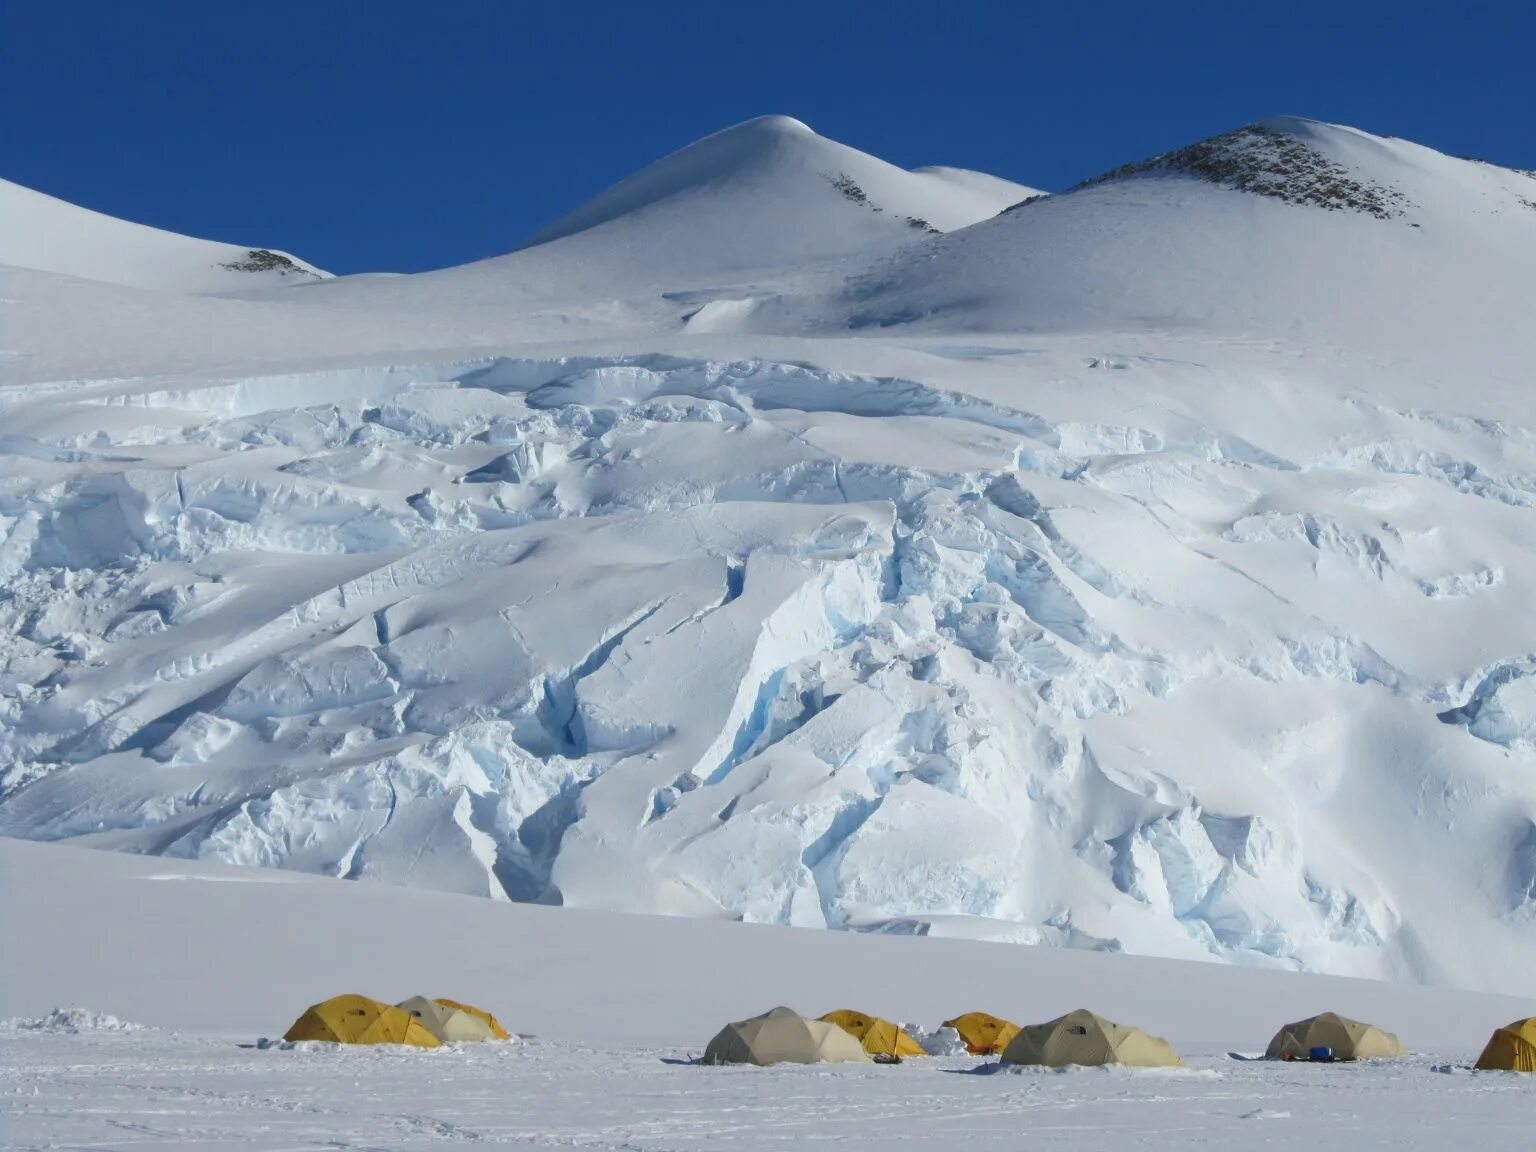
158	1090
186	967
1144	569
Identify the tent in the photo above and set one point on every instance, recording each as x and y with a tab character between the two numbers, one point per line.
497	1031
983	1034
1512	1048
446	1023
879	1037
782	1036
1349	1039
1082	1037
353	1019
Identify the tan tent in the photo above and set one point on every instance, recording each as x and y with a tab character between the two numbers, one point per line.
880	1037
1512	1048
450	1025
1083	1038
1349	1039
497	1031
982	1032
783	1036
353	1019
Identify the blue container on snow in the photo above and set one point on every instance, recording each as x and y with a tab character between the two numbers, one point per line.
1321	1055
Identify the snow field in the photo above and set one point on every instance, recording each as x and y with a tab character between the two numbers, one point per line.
208	959
157	1090
205	947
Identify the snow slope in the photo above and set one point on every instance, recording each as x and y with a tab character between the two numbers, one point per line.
205	960
698	241
50	235
1016	611
705	236
772	192
1286	228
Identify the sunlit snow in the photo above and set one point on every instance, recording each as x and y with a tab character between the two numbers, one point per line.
1143	569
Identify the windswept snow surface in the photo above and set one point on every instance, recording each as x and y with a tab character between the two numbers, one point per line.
206	961
1147	570
50	235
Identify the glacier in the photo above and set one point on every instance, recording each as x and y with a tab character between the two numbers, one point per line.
937	585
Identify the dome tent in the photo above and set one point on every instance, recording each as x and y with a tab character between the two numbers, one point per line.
783	1036
448	1024
1512	1048
353	1019
497	1031
1082	1037
1349	1039
879	1036
983	1033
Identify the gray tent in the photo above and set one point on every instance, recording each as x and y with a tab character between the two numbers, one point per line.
1082	1037
783	1036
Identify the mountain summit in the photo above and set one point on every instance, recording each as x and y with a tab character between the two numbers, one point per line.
1288	225
771	193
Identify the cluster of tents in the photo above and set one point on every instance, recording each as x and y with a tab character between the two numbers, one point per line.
419	1022
783	1036
1081	1037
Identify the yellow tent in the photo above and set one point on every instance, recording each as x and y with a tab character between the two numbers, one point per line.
1513	1048
879	1037
983	1034
497	1031
1082	1037
355	1019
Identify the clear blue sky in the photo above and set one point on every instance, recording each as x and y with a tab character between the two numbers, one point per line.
385	135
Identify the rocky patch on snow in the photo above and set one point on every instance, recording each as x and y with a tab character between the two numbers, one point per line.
1267	161
265	260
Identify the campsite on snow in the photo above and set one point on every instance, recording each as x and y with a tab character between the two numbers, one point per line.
610	1013
1104	614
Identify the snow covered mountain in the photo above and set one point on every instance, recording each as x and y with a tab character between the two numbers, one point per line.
50	235
1289	227
696	242
1143	568
771	192
705	236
